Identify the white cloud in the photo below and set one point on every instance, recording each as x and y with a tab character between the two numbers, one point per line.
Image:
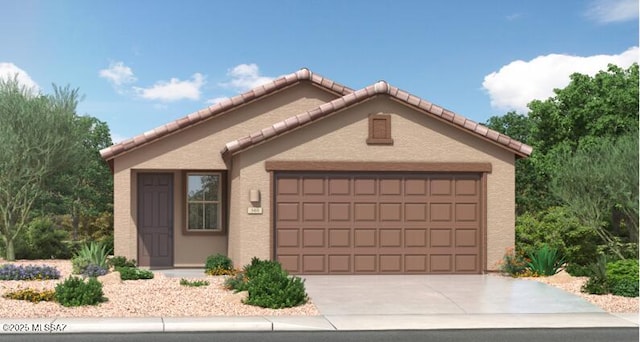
519	82
610	11
116	138
245	77
215	100
118	74
174	89
10	70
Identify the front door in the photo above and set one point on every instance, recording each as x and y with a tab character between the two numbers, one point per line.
155	220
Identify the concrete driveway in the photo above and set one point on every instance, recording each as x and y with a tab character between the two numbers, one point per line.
438	294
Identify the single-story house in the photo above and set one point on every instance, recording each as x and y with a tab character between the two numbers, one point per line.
323	178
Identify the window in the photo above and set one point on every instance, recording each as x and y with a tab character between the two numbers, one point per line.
380	130
204	202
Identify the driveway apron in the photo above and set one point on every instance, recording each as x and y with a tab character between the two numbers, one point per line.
438	294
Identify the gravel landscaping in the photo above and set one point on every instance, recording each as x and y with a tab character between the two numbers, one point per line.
157	297
165	297
609	302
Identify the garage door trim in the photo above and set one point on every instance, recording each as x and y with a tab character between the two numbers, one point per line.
273	165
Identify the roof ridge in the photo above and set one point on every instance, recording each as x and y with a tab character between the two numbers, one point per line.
221	107
380	87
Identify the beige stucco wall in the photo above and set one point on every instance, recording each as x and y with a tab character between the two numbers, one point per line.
197	148
342	137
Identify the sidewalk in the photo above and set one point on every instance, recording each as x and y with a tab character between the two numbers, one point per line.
310	323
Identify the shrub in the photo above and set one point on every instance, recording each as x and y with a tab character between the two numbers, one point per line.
29	272
218	264
42	239
237	283
34	296
557	228
94	271
513	264
622	277
93	253
134	273
578	270
193	283
597	282
120	261
545	261
75	291
273	288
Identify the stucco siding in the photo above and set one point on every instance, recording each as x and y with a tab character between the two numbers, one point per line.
198	148
342	137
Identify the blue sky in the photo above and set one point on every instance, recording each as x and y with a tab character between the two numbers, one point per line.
143	63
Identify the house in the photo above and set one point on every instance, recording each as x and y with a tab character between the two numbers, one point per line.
323	178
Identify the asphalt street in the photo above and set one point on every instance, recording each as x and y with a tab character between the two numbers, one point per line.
475	335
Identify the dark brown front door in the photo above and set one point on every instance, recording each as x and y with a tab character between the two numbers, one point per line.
366	223
155	219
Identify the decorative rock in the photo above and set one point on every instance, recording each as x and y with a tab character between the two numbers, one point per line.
110	278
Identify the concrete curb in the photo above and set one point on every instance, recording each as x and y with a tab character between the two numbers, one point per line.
314	323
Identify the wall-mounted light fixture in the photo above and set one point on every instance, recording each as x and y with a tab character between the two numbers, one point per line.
254	196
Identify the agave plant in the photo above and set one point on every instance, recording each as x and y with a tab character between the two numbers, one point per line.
546	261
93	253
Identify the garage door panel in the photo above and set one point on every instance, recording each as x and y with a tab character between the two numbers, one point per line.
385	223
339	212
390	187
390	263
440	263
416	237
466	263
364	238
364	212
391	212
440	212
288	238
313	212
314	263
287	186
288	212
313	186
364	263
416	212
313	237
339	237
390	237
466	212
339	263
339	187
290	262
440	237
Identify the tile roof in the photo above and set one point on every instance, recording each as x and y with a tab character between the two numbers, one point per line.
222	107
367	93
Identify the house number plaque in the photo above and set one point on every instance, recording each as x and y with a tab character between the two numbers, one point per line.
254	211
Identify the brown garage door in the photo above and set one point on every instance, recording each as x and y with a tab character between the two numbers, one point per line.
359	223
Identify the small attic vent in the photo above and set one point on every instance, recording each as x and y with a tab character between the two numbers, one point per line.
380	130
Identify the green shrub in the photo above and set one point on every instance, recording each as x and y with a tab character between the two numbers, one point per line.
557	228
193	283
42	239
597	282
76	292
32	295
513	263
546	261
120	261
237	283
218	264
93	253
622	277
273	288
134	273
578	270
